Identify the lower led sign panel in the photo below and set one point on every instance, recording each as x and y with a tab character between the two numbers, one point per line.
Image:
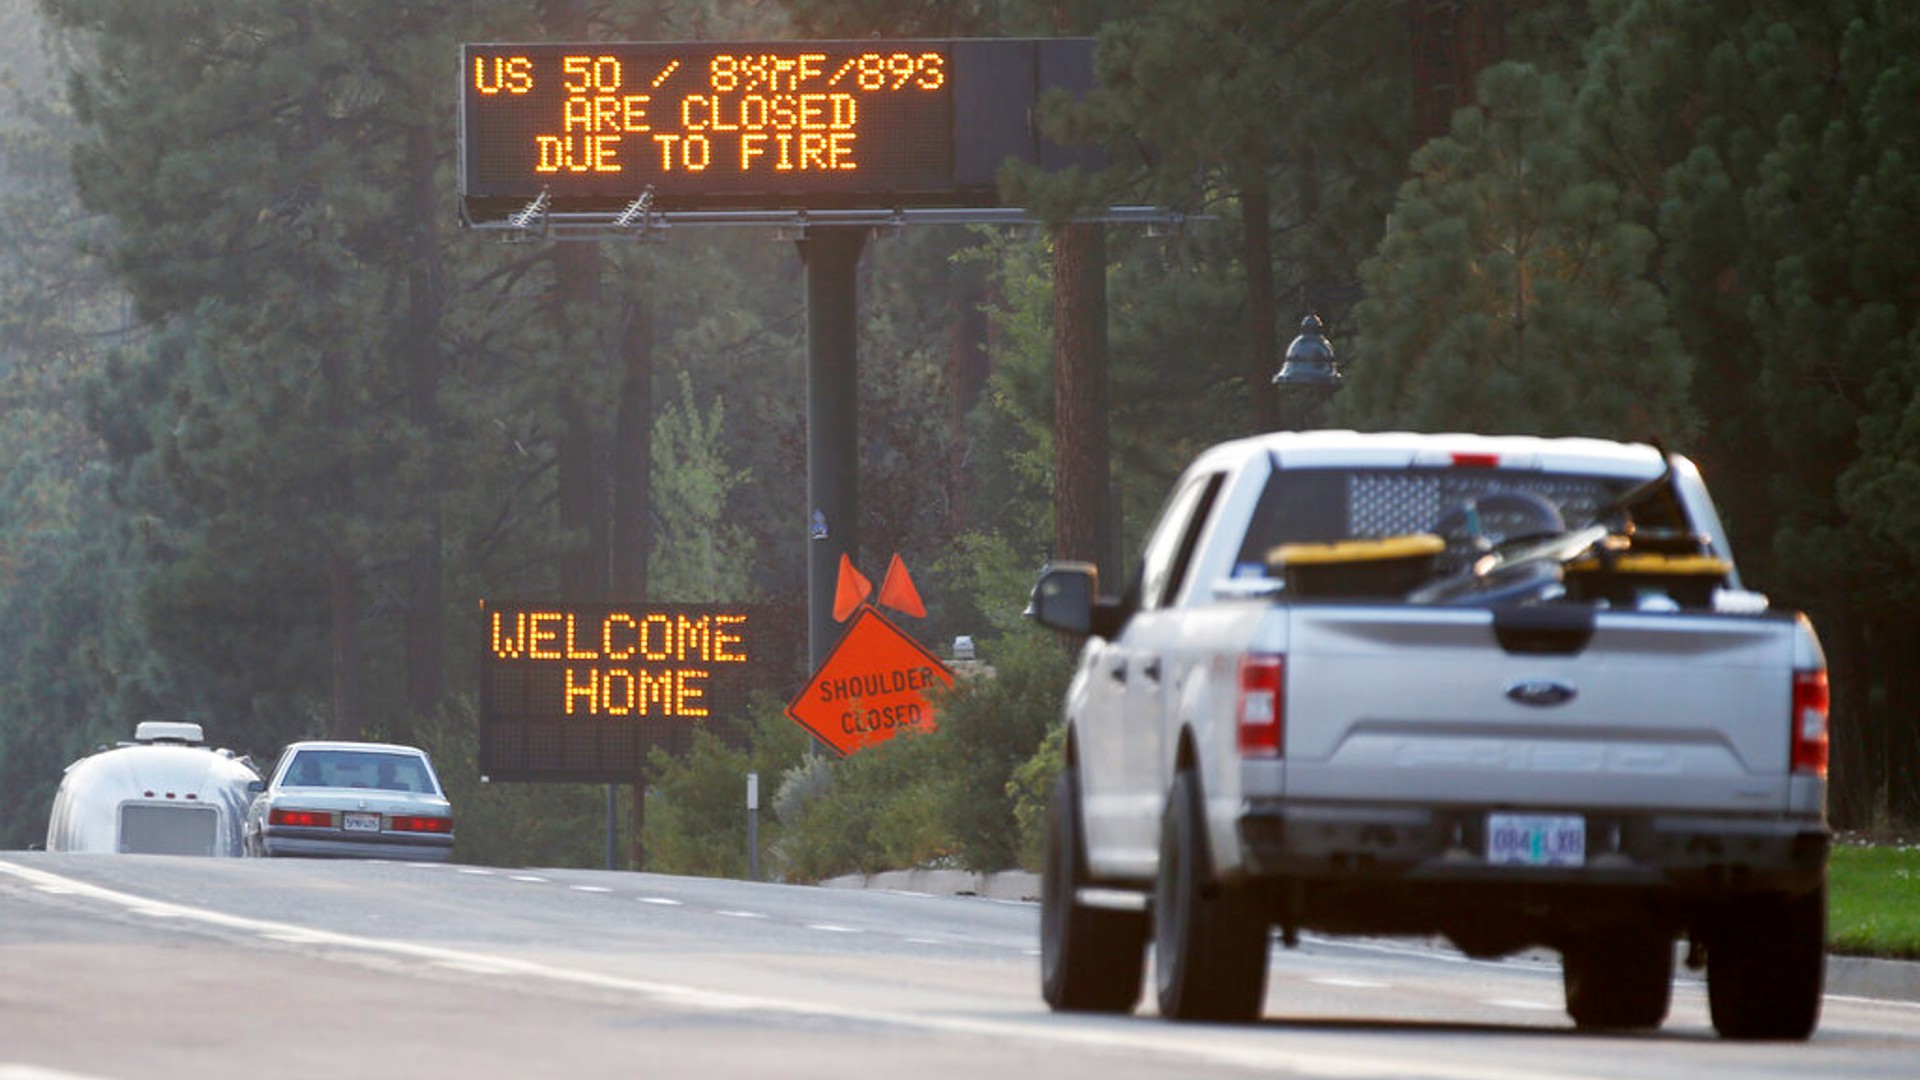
585	692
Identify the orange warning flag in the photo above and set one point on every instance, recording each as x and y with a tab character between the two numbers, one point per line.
898	593
851	590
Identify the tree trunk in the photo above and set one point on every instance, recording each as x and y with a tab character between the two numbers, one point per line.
968	365
1256	250
1081	528
1898	646
632	455
1853	790
583	568
343	601
424	603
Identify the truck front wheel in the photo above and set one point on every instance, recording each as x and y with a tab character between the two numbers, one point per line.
1091	959
1766	966
1210	942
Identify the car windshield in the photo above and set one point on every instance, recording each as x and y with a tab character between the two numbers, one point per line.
1470	509
373	769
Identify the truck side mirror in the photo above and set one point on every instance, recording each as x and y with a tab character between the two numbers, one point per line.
1063	598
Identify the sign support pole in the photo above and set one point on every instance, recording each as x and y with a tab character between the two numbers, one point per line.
613	827
832	258
753	826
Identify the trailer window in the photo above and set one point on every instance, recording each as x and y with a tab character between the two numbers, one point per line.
159	829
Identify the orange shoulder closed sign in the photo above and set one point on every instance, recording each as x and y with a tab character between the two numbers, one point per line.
873	686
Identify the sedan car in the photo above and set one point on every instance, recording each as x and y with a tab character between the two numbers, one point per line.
352	800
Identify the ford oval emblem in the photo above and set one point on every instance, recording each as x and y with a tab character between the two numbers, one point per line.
1543	692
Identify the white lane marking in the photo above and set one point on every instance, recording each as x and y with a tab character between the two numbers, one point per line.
471	967
477	871
1856	1000
1440	955
590	888
740	914
38	1072
660	900
831	928
1199	1044
1516	1003
923	941
536	878
1352	984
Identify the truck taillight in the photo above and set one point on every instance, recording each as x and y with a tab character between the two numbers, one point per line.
1262	711
1810	722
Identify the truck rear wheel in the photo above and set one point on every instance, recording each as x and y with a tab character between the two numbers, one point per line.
1091	959
1619	977
1210	942
1766	967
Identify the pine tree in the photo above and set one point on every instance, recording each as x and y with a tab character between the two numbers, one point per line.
1510	294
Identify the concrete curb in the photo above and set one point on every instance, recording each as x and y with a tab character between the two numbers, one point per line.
1848	976
1865	976
1005	885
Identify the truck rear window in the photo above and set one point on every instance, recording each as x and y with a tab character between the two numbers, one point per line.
1465	507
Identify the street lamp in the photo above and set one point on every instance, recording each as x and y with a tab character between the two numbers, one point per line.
1308	377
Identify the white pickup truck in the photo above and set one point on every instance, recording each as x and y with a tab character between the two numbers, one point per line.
1506	690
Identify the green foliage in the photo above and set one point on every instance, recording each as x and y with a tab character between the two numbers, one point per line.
1510	295
992	727
879	811
1031	787
696	804
73	674
989	579
1874	901
700	554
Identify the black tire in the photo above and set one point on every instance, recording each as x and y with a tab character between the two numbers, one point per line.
1619	978
1091	959
1767	967
1210	942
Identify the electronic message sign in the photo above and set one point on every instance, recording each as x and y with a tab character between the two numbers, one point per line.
583	692
778	125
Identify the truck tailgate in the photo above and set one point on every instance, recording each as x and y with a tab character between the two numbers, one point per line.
1424	704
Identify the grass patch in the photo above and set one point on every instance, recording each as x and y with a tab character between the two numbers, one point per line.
1873	901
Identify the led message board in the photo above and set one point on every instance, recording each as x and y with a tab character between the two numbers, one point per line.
583	692
776	125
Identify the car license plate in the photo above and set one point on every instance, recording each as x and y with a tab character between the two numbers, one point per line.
1536	839
360	822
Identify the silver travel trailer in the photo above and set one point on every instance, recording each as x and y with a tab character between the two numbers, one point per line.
164	793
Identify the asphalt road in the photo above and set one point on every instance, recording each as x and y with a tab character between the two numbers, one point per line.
132	966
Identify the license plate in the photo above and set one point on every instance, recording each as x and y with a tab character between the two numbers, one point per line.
1536	839
360	822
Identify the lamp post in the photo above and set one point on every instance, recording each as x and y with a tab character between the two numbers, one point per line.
1308	377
